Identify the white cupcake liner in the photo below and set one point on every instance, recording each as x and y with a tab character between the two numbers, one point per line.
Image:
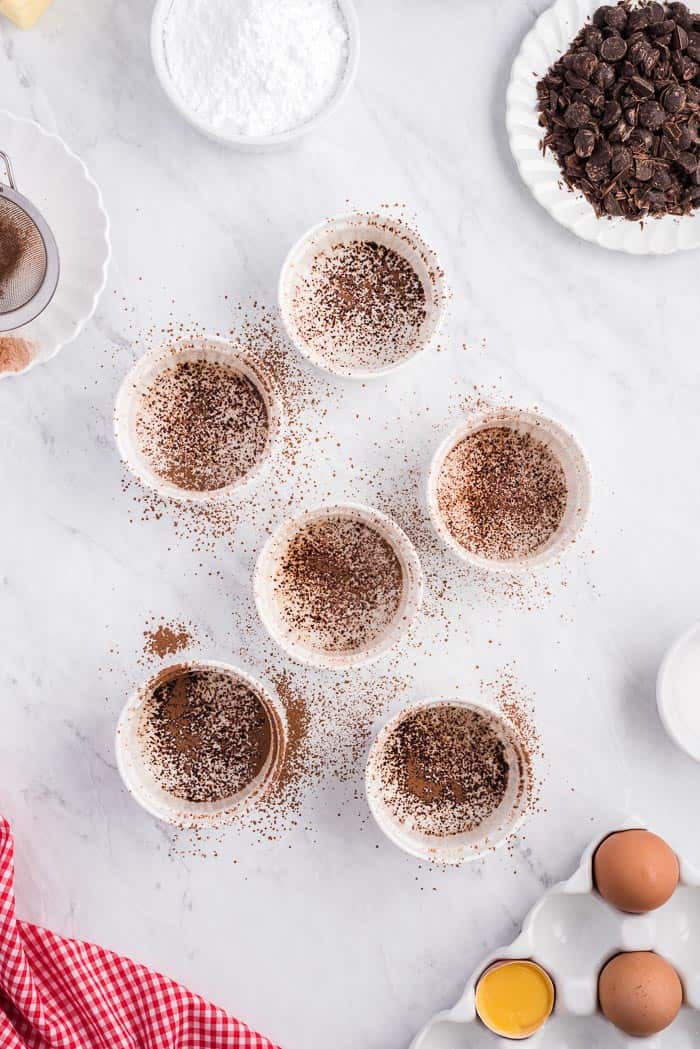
453	849
549	38
561	444
164	806
393	234
142	374
297	647
255	143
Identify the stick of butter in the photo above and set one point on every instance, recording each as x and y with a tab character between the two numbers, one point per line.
24	13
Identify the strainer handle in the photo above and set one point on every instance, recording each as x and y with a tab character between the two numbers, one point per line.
8	169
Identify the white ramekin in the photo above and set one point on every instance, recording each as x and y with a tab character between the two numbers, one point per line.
255	143
561	444
151	796
677	692
297	647
142	374
452	848
393	234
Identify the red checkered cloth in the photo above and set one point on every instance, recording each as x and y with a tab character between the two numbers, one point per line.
63	994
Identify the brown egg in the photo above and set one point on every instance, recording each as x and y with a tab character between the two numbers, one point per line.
640	993
635	870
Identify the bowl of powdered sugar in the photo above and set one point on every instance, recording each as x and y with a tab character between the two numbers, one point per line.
255	74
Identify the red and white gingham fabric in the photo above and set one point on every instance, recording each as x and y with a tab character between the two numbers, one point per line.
63	994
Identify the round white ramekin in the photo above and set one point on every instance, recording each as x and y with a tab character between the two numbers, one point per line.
294	645
547	41
677	692
255	143
390	232
561	444
164	806
142	374
452	849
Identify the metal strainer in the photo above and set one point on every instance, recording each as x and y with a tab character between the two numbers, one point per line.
29	265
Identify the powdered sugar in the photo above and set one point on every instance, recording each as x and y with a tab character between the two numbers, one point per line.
255	67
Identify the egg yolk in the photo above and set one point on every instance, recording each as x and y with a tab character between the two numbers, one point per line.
514	998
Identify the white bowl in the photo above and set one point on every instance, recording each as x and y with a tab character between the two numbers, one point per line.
296	646
255	143
142	374
561	444
383	230
454	848
678	691
549	38
147	791
57	182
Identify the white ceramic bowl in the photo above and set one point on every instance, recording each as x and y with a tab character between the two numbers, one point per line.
164	806
142	374
57	182
678	692
371	227
454	848
566	450
296	646
255	143
549	38
572	932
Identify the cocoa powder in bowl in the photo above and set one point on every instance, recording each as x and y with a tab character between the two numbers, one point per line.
205	734
339	583
202	425
501	493
198	418
337	586
444	769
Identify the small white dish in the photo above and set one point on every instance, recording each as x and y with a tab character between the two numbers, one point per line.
572	932
300	648
548	39
393	234
144	788
255	143
566	450
58	183
453	849
678	692
140	377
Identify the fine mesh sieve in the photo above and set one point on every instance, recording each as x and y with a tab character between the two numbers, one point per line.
29	265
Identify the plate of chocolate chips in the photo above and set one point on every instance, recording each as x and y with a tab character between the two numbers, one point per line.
603	116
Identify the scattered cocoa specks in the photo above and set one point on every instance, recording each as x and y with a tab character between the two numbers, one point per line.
517	705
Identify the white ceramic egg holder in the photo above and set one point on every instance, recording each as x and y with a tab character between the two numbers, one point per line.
572	932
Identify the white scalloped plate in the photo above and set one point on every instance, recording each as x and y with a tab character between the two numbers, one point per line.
571	932
54	179
547	40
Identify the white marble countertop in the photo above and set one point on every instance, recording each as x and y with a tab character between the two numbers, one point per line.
333	936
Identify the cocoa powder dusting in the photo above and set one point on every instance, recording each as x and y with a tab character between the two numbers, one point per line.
339	584
205	735
201	425
361	305
501	493
444	769
166	639
15	234
15	353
